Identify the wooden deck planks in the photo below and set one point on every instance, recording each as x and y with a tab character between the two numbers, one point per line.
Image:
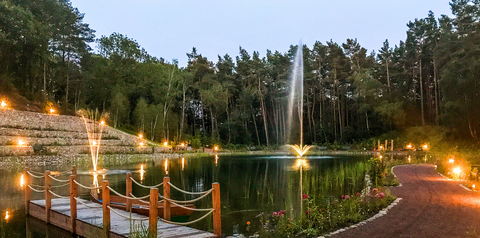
119	225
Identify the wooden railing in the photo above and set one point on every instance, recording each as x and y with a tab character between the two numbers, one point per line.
106	208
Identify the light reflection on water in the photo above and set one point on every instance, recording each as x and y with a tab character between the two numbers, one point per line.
249	185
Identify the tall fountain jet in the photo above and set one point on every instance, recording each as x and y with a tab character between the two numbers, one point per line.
295	101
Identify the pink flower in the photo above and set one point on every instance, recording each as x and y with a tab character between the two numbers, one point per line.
306	212
343	197
374	191
323	210
305	196
347	197
358	194
275	214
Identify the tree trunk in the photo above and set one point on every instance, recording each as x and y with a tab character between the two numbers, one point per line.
256	129
437	121
421	94
264	115
183	113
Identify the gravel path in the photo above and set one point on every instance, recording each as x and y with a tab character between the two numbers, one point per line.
432	206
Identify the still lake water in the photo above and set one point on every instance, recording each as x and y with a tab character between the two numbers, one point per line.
249	186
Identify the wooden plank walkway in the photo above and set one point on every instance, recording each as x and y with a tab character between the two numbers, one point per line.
90	223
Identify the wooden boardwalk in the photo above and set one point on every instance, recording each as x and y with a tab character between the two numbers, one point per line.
90	223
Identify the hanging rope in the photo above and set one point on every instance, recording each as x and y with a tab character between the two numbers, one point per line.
123	196
39	173
85	187
35	190
58	180
126	217
37	186
34	176
192	209
188	201
187	192
87	205
144	186
56	195
59	186
186	223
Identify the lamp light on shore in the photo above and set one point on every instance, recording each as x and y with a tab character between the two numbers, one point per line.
141	143
425	146
102	123
216	148
3	105
457	171
409	146
21	142
473	186
22	181
451	160
165	143
51	110
140	135
6	216
183	144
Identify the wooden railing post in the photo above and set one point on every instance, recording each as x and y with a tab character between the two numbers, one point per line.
128	181
48	196
73	203
391	146
106	210
26	179
74	171
217	215
166	194
153	213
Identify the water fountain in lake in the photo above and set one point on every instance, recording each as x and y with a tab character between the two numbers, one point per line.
295	102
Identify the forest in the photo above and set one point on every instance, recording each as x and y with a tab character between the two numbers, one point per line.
432	78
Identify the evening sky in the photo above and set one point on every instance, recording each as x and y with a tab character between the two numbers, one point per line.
170	28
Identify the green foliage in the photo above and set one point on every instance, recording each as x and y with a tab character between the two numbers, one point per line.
376	171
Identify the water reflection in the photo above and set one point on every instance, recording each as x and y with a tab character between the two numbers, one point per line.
249	185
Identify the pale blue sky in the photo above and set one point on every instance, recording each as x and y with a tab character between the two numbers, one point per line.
170	28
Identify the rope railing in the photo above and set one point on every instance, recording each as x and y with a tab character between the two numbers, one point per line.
56	195
186	223
37	186
34	172
64	172
188	201
59	186
187	192
192	209
36	190
126	217
35	176
142	201
59	180
86	187
145	186
85	204
126	197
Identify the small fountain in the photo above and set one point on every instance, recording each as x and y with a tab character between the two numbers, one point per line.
295	101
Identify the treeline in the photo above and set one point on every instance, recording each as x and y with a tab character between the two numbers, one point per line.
431	78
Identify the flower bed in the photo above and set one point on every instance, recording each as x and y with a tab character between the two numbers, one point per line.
321	216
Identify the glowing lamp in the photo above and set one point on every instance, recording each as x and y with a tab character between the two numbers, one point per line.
102	122
473	186
21	143
425	146
94	143
22	181
409	146
381	157
381	147
141	143
165	143
457	171
140	135
7	216
3	104
183	144
451	160
216	147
